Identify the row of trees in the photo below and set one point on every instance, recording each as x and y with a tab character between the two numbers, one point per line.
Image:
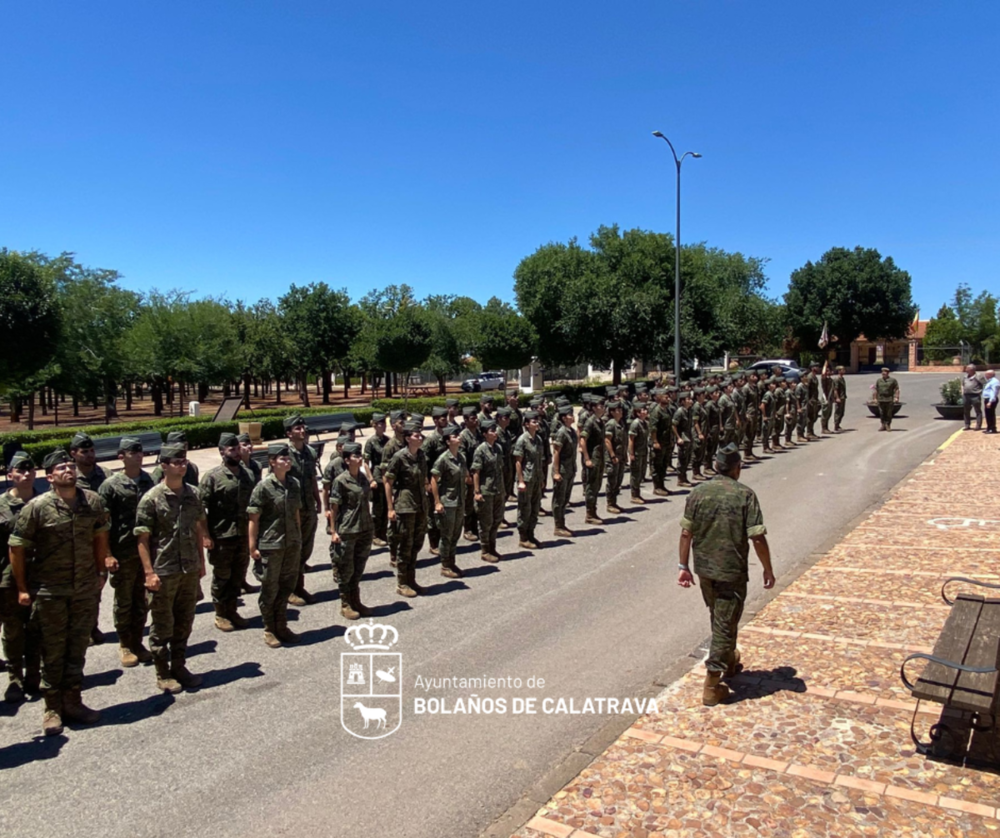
973	321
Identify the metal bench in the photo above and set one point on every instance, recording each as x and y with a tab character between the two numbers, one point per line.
260	457
962	675
327	423
106	447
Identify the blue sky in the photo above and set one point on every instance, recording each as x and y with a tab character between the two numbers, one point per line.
233	148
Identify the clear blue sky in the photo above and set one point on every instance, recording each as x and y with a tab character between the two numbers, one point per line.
236	147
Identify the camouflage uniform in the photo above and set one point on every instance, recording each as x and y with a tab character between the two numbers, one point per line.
682	426
840	397
529	450
92	481
886	390
396	444
279	540
488	463
660	431
727	419
20	637
407	476
373	456
225	494
614	472
451	472
710	426
304	471
433	447
801	408
593	434
639	431
812	382
192	476
751	398
722	515
567	442
471	440
354	525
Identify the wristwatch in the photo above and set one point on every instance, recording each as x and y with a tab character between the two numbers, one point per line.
684	567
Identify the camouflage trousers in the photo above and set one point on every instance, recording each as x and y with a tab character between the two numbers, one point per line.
826	411
614	476
380	512
697	452
130	608
529	502
725	606
885	412
711	446
562	490
470	520
790	420
637	472
838	413
683	460
229	558
63	625
450	524
766	425
433	530
729	435
411	529
20	637
278	573
490	513
172	615
310	524
813	415
348	560
800	421
592	487
750	428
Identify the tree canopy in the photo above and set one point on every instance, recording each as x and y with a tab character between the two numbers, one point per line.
30	318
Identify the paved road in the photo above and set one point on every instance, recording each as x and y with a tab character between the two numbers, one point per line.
260	748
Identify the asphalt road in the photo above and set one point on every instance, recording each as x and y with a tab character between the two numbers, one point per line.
260	747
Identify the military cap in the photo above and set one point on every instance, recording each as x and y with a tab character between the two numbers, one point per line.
342	440
129	443
611	390
177	436
485	398
553	394
659	391
451	430
815	364
504	411
451	402
352	449
530	414
417	419
278	449
21	460
673	388
290	422
244	438
225	440
438	412
565	410
711	388
640	388
562	401
396	415
698	391
378	417
885	369
614	405
686	395
56	457
841	369
171	450
470	410
488	425
81	440
412	428
349	426
728	456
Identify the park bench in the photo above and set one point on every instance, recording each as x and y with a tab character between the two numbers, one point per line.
260	457
961	674
327	423
106	447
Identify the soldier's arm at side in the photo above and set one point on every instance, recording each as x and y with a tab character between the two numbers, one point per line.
684	576
146	558
763	552
556	459
253	530
17	565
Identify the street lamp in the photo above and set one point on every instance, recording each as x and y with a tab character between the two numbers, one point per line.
677	259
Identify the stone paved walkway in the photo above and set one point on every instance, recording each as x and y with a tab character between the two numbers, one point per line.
815	740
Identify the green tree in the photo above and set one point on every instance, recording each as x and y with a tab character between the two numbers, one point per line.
377	308
854	292
507	340
404	341
944	333
30	319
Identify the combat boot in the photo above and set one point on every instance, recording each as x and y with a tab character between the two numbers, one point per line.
714	692
357	604
164	680
469	535
562	532
140	651
285	634
238	621
96	636
734	664
451	570
183	675
52	718
74	710
487	556
592	516
682	481
14	694
346	606
420	590
269	638
403	589
32	679
661	492
637	500
222	621
613	508
126	656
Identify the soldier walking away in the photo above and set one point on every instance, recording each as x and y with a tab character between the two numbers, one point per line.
304	463
887	396
489	488
972	397
721	518
839	399
121	494
682	435
90	476
638	449
406	483
351	531
564	448
20	637
373	454
616	445
592	450
65	534
274	539
448	490
170	526
225	493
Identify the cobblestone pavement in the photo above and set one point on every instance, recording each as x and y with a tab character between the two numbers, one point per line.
815	740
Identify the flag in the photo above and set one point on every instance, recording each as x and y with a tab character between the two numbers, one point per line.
824	338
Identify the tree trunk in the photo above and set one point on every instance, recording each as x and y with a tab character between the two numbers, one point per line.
15	410
41	402
31	412
304	389
364	383
442	387
227	389
256	391
388	385
347	384
203	391
325	381
76	406
246	390
277	391
128	396
616	373
156	394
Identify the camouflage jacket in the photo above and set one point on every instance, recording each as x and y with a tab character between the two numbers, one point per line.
374	449
530	451
565	439
304	464
10	507
277	504
450	473
121	495
170	518
488	462
93	481
225	496
351	496
408	475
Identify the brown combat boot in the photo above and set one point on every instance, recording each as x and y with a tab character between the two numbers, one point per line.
270	640
74	710
164	680
403	589
734	664
661	492
222	621
356	603
451	570
592	517
126	656
487	556
183	675
140	651
346	606
562	532
637	500
613	508
52	717
238	621
285	634
14	694
714	692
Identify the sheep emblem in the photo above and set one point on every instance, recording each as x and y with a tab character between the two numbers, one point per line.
371	714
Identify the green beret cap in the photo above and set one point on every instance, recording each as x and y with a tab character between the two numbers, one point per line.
470	410
611	390
530	414
485	398
225	440
177	436
417	419
21	460
698	391
288	423
278	449
412	428
438	412
489	425
342	440
244	438
396	415
565	410
504	411
171	450
54	458
349	427
451	430
378	417
615	405
537	401
129	443
728	457
352	448
81	440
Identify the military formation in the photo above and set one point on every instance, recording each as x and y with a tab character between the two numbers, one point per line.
154	536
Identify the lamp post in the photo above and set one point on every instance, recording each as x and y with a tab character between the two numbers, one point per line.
677	258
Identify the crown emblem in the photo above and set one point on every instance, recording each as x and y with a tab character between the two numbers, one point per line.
371	636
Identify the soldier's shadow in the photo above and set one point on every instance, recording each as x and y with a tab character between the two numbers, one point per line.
444	587
587	533
389	609
378	574
39	748
513	557
202	648
129	712
480	570
320	635
750	684
618	519
108	678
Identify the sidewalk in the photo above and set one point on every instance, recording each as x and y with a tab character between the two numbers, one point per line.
816	739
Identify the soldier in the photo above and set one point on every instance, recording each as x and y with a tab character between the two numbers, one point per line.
406	481
641	398
751	397
592	450
487	406
791	413
682	435
448	489
396	443
616	455
489	487
434	446
887	395
699	433
506	440
90	476
373	452
246	457
544	434
826	411
65	534
727	414
713	428
351	531
528	463
767	414
564	448
191	476
20	637
304	461
121	494
812	382
225	493
471	439
839	399
638	449
721	518
274	540
587	401
801	409
780	396
454	408
516	417
740	401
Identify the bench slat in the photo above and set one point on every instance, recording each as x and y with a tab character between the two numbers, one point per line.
937	682
974	691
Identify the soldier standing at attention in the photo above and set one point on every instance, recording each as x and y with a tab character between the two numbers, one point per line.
592	449
170	526
727	414
373	453
638	449
767	414
304	461
20	644
791	414
712	428
506	440
826	385
582	417
615	442
516	417
225	493
778	421
544	435
887	395
660	440
448	489
246	456
65	534
396	443
751	396
682	435
90	476
839	399
801	409
351	529
528	463
121	494
471	438
812	383
274	533
564	448
192	475
434	446
721	518
698	433
489	487
406	482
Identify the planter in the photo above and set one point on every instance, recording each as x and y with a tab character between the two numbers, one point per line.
873	408
950	411
252	428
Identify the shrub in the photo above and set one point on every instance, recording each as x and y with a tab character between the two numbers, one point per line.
951	391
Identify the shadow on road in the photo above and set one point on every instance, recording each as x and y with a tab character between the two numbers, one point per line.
202	648
107	678
39	748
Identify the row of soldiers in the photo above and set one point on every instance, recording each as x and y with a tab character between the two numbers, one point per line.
151	534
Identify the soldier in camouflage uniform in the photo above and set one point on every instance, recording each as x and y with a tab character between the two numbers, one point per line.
192	476
801	409
20	638
727	415
90	476
516	416
448	490
682	431
121	494
246	457
887	395
593	450
489	478
373	451
170	526
839	399
661	440
791	412
538	404
826	411
506	440
528	464
812	382
434	446
616	448
587	401
275	533
564	448
767	414
699	434
471	438
406	481
638	449
751	397
351	529
65	534
780	406
721	518
225	492
396	443
713	428
304	463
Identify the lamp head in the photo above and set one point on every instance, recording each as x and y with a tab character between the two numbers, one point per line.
695	154
658	134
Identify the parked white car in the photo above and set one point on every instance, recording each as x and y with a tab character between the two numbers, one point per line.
484	381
